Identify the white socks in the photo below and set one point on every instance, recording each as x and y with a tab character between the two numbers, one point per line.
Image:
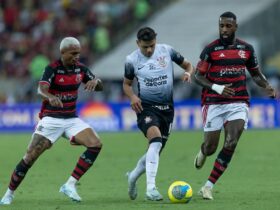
71	181
209	184
152	161
139	169
9	192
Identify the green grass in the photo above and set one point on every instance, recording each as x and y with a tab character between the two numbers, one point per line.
251	181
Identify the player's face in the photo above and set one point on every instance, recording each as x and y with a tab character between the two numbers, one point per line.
147	48
227	28
71	55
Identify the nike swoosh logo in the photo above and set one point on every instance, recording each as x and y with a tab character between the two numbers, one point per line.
141	67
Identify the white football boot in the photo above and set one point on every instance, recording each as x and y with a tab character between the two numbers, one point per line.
153	195
132	188
199	160
206	193
71	192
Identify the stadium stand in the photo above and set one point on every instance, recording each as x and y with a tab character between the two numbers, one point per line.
30	31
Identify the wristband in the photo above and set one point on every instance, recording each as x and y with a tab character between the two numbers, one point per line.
218	88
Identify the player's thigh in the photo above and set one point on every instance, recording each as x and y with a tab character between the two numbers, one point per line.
50	128
237	111
213	117
36	147
233	131
148	123
82	133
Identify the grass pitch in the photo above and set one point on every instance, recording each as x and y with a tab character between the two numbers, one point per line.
251	181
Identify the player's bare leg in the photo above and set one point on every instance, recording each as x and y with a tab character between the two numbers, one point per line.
211	141
233	131
37	146
91	141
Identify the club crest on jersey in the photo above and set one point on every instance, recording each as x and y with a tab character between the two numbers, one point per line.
162	62
78	78
148	119
242	54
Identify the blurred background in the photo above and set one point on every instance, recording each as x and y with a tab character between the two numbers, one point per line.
31	30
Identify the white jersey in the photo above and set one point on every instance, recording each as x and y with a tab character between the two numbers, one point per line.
154	74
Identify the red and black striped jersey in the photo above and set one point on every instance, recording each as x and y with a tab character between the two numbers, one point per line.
64	83
222	64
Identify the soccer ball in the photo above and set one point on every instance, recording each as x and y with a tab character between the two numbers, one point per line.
180	192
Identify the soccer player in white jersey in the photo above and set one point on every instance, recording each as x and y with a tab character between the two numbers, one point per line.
152	66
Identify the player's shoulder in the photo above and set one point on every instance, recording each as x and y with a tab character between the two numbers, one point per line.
213	43
243	44
54	64
82	66
79	64
132	56
162	46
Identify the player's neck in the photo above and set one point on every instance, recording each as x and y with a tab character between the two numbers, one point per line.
67	66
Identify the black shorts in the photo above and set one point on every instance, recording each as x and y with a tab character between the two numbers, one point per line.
160	116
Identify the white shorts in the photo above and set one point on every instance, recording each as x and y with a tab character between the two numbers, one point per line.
216	115
53	128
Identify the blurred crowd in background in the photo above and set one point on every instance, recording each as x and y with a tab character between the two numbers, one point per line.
30	32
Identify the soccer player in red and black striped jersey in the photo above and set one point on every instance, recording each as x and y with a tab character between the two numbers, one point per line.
59	90
221	72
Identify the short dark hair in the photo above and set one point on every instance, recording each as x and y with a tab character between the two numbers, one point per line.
146	34
228	14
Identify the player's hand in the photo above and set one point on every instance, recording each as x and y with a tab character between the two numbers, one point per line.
135	104
228	92
55	101
187	77
92	84
270	91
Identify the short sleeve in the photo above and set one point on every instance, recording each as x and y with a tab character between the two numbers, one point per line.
129	70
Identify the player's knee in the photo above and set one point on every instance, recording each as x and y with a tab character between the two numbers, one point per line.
94	143
230	145
209	149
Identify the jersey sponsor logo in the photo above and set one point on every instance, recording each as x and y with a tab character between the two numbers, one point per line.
231	71
77	70
162	62
222	55
242	53
240	46
219	48
60	71
157	81
61	80
67	97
